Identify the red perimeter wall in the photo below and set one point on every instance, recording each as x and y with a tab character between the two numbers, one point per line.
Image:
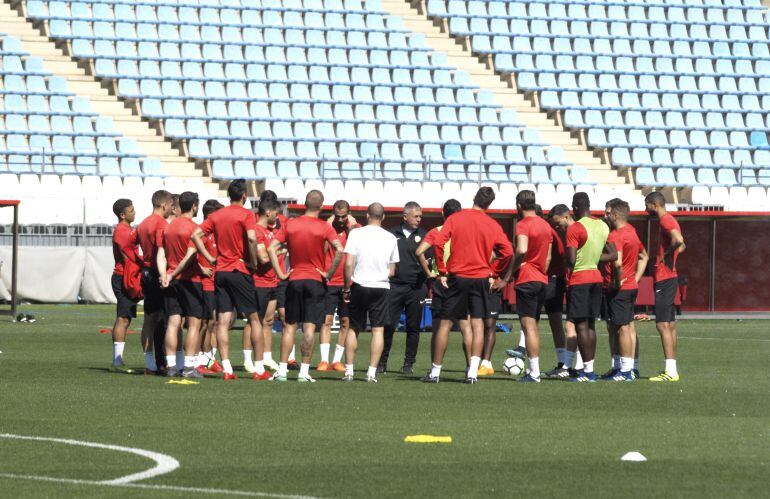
736	247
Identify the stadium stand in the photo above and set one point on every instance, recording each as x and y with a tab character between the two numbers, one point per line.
677	91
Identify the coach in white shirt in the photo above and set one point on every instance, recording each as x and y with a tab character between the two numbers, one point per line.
372	254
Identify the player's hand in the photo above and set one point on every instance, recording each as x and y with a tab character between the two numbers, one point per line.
433	274
207	271
164	281
443	280
285	276
668	260
346	295
498	284
325	275
352	222
330	220
212	260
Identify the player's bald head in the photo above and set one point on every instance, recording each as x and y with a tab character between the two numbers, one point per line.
375	211
314	200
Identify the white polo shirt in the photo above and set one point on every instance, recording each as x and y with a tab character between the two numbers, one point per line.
375	249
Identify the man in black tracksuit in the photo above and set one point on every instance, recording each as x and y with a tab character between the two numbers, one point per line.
408	288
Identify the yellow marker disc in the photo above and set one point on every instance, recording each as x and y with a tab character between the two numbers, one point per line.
428	439
182	382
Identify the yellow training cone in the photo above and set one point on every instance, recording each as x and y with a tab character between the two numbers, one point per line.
428	439
182	382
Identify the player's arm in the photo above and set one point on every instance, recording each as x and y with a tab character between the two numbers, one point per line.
422	248
338	252
191	252
197	239
617	272
262	255
350	263
392	270
609	253
570	257
677	246
272	252
162	264
641	264
548	257
251	235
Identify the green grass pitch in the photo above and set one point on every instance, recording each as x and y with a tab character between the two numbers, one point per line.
706	436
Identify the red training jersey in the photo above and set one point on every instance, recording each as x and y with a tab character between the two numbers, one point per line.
338	279
662	272
305	237
628	243
123	241
438	251
539	236
576	238
557	267
230	226
176	241
474	235
149	233
211	247
264	275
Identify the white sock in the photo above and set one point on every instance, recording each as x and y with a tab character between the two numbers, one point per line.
534	367
180	357
259	367
636	364
339	350
189	361
473	369
349	369
560	355
371	372
304	369
149	361
117	352
578	361
248	360
616	361
267	357
671	366
213	352
588	366
226	366
171	361
283	368
292	355
325	352
569	358
486	363
626	363
435	371
522	339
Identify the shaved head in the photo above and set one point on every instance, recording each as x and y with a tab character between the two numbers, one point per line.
314	200
376	211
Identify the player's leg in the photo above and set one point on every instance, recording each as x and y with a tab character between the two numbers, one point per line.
490	338
125	310
173	323
467	336
248	349
267	332
377	309
325	335
530	297
312	295
479	308
351	345
665	322
339	349
413	306
396	300
281	296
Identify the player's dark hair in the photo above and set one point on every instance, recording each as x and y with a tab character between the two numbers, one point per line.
451	206
187	200
267	205
539	210
526	199
620	208
160	197
314	200
609	203
236	189
655	198
558	211
341	204
175	199
376	211
484	197
581	202
268	194
119	206
210	207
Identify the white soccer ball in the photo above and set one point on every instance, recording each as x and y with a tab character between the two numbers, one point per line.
513	366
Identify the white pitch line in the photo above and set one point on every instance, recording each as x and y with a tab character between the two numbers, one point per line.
163	463
173	488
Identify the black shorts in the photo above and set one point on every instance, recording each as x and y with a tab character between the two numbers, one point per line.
335	303
437	298
368	302
530	298
604	309
280	292
126	307
465	297
264	297
584	301
235	290
665	294
185	298
554	294
620	307
495	303
305	301
209	305
153	294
